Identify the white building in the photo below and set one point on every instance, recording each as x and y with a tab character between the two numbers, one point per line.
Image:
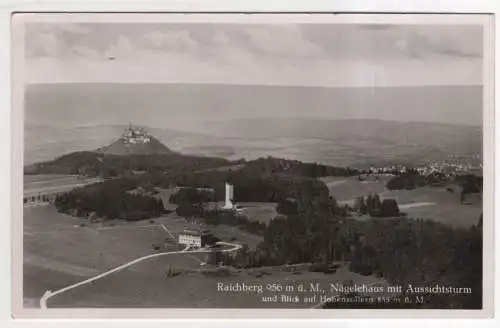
134	135
228	204
190	238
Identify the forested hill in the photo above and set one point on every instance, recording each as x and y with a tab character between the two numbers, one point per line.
312	170
119	147
96	164
106	165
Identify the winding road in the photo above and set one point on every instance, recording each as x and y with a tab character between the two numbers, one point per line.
48	294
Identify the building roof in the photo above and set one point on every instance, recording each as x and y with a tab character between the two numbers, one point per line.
193	233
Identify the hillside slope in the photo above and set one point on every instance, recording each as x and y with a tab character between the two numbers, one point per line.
94	164
120	147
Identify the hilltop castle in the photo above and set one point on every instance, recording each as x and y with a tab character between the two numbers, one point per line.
135	141
135	135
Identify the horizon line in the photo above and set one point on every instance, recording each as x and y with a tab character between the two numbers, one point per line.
477	125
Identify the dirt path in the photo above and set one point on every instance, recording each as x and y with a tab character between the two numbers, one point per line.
48	294
417	204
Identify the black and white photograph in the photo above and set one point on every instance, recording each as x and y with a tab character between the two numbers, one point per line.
223	161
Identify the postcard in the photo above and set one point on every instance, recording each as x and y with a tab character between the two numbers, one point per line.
264	165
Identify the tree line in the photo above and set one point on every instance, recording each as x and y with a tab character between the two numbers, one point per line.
247	187
191	195
37	198
109	202
216	217
399	250
94	164
271	165
412	179
470	183
373	206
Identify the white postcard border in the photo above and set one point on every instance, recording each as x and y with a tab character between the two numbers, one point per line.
16	206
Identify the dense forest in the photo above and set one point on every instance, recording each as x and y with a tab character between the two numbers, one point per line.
191	195
400	250
95	164
248	187
470	183
373	206
272	165
421	253
370	205
108	201
413	179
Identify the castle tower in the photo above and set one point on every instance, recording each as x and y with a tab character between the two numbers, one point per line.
229	196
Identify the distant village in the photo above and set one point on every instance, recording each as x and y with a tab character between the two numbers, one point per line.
449	167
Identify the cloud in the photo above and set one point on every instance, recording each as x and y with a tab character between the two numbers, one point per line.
86	52
314	55
171	41
49	44
221	39
122	49
155	38
53	40
219	49
451	43
420	45
71	28
446	41
234	56
286	40
156	67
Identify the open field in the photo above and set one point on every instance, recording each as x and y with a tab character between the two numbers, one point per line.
151	288
437	204
92	247
257	211
45	184
348	188
262	212
58	252
425	202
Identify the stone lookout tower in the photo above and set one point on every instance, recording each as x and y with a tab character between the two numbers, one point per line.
229	200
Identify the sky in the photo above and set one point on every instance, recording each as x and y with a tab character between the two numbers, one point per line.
326	55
